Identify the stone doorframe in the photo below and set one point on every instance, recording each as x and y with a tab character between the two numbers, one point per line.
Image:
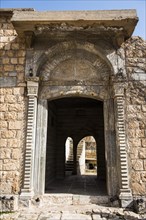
35	154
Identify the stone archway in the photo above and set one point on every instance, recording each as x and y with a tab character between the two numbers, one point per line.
77	70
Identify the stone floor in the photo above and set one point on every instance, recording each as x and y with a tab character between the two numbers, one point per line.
69	212
70	199
78	184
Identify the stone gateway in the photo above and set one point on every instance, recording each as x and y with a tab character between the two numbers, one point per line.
71	74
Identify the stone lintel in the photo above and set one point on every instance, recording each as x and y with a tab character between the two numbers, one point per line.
116	20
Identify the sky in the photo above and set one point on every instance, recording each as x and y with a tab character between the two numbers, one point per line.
47	5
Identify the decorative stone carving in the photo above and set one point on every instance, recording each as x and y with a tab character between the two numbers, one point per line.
125	192
32	88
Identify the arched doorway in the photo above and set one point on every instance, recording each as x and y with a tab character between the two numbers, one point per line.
75	117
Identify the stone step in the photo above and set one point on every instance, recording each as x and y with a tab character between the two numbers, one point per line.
71	199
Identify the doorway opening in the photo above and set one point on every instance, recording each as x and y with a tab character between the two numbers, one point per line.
75	122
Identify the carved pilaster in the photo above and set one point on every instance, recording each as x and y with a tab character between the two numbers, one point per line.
32	91
125	192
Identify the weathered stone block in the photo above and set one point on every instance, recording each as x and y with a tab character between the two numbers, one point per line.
16	154
138	188
143	141
8	134
7	81
11	165
10	116
134	108
144	108
5	61
9	68
13	143
3	107
142	153
5	153
16	125
15	46
16	107
18	91
14	61
20	68
143	176
3	124
137	165
3	142
10	99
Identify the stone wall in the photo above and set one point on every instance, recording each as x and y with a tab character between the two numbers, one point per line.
12	107
135	51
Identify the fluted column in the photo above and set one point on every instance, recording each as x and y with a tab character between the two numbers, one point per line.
119	101
32	92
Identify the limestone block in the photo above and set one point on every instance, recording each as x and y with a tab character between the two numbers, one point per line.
16	107
1	163
4	39
5	61
134	153
137	165
3	124
143	176
3	142
8	32
139	133
8	134
20	77
135	176
13	143
10	116
20	99
10	53
16	125
134	108
143	141
14	60
3	107
144	108
133	124
144	164
15	46
2	115
138	188
7	91
21	60
10	99
20	68
9	68
11	165
142	153
6	187
20	115
16	153
7	81
18	91
5	153
19	133
21	53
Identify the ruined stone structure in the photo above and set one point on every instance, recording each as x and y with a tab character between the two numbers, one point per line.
72	74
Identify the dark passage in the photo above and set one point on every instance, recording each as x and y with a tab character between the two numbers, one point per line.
74	117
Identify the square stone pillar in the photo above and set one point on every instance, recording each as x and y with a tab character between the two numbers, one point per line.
125	192
32	92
